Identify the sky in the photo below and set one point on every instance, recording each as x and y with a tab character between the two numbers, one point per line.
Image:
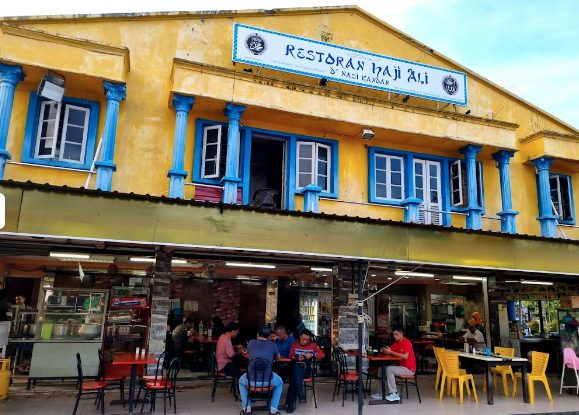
529	47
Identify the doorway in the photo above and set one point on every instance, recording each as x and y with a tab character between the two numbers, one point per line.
267	172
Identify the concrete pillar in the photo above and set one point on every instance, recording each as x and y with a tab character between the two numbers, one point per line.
546	217
10	75
311	198
160	291
114	93
231	178
474	211
177	174
507	215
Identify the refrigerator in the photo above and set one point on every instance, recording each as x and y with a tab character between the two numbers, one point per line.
403	311
309	302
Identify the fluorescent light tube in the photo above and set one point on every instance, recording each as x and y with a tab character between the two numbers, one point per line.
249	265
139	259
413	274
69	255
536	282
321	269
178	261
466	278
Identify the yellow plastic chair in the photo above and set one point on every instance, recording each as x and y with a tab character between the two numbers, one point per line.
505	370
451	372
539	361
437	352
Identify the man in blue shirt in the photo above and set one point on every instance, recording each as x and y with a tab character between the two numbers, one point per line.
283	341
264	349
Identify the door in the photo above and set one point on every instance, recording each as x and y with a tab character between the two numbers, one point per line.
267	172
427	188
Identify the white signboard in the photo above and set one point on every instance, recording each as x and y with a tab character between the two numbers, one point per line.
302	56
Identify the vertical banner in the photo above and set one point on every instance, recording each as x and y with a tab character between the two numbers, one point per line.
308	57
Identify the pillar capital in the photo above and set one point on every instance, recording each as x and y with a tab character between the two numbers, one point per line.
183	102
542	163
11	74
470	151
115	91
233	111
503	156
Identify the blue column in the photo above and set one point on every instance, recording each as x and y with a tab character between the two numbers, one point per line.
546	217
182	105
507	215
231	178
311	198
10	75
474	211
114	93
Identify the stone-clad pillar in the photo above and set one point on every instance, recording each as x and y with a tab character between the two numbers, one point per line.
177	174
114	93
160	291
10	75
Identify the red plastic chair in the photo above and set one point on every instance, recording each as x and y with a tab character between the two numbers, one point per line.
89	389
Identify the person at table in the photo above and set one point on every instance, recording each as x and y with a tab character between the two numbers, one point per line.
303	352
182	335
473	336
401	348
226	354
283	341
265	349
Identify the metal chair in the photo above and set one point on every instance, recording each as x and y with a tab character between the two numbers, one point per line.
344	377
266	198
165	384
109	378
405	380
259	374
220	377
89	389
310	382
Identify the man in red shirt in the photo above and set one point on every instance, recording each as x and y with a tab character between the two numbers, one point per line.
400	348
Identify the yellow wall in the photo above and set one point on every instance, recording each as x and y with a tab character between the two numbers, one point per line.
144	144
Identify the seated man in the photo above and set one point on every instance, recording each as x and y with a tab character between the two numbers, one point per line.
283	341
474	337
303	352
182	338
407	366
262	348
225	353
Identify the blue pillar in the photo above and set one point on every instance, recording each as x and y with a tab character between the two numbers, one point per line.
10	75
507	215
411	211
474	211
231	178
546	217
114	93
311	198
182	105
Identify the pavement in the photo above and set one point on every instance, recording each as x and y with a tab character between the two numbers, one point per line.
193	397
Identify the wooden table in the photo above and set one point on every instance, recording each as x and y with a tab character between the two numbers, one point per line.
492	361
382	358
134	361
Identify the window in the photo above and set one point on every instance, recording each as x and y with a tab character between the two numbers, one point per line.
214	152
459	184
561	197
314	165
389	177
61	133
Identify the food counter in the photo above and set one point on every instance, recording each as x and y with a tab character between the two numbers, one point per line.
70	321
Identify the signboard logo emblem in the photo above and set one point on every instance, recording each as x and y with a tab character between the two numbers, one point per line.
255	44
450	85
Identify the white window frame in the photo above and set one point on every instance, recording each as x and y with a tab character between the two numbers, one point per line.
313	162
388	158
54	137
218	153
63	141
429	212
458	173
557	205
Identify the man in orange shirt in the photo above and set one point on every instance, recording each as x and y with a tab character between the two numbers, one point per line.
400	348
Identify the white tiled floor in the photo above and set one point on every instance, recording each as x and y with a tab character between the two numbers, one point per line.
194	398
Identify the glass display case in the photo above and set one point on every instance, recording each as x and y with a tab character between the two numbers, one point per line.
71	314
569	327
